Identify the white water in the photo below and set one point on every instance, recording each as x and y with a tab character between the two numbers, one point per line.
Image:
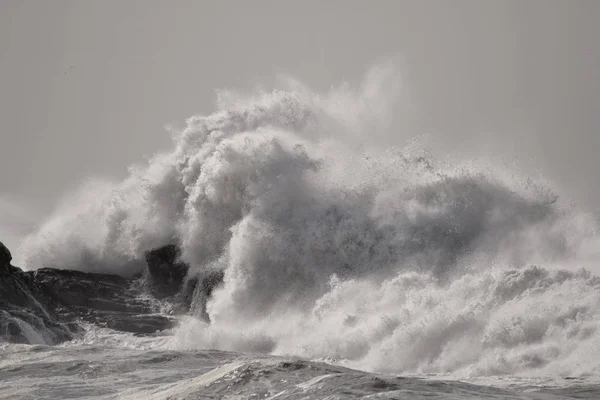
337	246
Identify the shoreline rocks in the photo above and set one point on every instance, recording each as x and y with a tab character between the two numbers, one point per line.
47	306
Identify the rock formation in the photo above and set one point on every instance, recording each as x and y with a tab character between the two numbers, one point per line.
165	275
49	305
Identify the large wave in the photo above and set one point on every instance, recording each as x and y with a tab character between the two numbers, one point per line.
336	246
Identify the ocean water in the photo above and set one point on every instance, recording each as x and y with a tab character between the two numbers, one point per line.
352	268
143	369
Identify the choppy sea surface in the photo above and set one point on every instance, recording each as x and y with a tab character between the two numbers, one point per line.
127	367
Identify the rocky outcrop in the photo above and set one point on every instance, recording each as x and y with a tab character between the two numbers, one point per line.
198	290
105	300
168	277
23	317
165	274
5	256
49	305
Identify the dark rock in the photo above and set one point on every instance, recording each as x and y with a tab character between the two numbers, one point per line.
23	318
165	274
5	256
5	259
142	324
199	289
48	305
105	300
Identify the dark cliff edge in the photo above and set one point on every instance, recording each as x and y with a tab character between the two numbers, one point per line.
48	306
167	277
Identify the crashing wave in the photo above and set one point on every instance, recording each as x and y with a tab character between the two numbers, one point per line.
331	244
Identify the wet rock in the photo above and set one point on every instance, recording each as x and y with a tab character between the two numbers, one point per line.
105	300
23	317
198	290
165	274
5	259
48	305
5	256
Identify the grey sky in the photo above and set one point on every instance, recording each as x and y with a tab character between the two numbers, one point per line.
86	87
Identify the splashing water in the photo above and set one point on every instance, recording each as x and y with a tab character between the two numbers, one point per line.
334	245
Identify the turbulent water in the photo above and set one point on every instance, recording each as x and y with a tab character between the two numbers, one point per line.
337	249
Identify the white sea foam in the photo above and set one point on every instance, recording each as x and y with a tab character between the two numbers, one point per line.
335	244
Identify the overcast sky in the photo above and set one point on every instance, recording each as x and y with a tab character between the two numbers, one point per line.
86	87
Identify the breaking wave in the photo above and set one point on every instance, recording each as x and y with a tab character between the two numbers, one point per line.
334	245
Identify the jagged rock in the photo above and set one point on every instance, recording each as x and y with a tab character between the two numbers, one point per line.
5	256
106	300
165	274
5	259
47	305
197	291
23	318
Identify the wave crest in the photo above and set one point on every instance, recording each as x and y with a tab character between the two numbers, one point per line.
336	245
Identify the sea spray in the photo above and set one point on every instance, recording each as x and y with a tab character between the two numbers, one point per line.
334	244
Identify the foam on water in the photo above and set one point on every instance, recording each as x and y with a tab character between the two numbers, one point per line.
335	245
